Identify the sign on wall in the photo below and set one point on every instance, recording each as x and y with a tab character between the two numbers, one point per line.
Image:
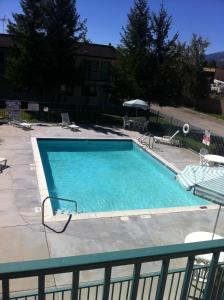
207	138
33	106
13	105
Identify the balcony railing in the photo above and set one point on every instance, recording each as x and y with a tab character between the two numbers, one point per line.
191	282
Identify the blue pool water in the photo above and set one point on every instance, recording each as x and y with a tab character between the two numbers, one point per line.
109	176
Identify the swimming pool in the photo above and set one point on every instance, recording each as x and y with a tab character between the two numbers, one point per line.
109	175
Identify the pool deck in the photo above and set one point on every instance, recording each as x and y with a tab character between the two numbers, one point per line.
24	238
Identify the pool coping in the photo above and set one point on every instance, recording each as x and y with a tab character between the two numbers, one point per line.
145	213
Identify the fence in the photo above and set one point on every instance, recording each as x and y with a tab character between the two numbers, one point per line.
161	124
190	282
78	113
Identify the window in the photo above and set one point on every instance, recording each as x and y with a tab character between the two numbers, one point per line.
105	67
95	66
105	70
66	90
89	91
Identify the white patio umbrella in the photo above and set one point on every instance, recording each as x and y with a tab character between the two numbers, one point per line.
206	182
137	103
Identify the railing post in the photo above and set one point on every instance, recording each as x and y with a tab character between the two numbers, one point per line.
106	288
41	287
162	280
134	287
75	285
187	277
157	117
211	277
5	289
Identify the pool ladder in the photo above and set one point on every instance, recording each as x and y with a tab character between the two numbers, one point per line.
69	215
143	139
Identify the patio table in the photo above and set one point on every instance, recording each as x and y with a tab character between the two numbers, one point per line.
136	123
200	236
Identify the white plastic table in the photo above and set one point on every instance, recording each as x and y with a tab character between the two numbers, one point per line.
200	236
214	158
3	162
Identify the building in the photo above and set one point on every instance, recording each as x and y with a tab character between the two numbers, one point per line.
216	79
94	90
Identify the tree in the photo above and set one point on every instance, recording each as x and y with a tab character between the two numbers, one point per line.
45	37
164	56
132	71
195	83
64	30
26	63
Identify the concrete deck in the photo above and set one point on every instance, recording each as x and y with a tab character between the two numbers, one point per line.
24	238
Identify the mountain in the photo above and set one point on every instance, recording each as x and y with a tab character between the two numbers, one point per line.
218	57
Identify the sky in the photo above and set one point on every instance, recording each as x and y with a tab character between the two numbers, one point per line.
105	18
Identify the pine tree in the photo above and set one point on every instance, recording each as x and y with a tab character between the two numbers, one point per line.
132	69
26	64
63	31
195	83
165	55
45	37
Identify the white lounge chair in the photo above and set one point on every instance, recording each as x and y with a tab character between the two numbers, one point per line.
17	121
167	139
3	162
65	122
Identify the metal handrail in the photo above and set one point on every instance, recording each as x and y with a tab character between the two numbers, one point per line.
143	136
106	261
70	214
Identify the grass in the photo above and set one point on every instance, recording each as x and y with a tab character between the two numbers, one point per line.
77	116
217	116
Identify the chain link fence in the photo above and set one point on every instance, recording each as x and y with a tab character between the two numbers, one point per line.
161	124
77	113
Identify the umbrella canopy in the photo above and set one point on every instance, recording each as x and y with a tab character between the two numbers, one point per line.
211	190
207	183
137	103
194	174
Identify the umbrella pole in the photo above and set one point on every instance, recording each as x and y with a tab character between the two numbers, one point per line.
216	221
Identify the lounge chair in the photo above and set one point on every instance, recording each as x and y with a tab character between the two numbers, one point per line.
3	162
167	139
16	120
65	122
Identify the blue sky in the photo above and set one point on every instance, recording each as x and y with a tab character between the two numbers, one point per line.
105	18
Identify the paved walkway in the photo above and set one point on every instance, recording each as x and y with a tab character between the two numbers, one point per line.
24	238
192	117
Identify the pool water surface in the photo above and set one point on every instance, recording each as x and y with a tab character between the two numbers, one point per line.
109	175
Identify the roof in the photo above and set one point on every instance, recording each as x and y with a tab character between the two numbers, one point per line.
212	70
85	49
97	50
5	41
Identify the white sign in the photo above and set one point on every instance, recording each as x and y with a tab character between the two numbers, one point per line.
13	105
207	138
33	106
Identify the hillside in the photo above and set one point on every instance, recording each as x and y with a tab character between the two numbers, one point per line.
218	57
